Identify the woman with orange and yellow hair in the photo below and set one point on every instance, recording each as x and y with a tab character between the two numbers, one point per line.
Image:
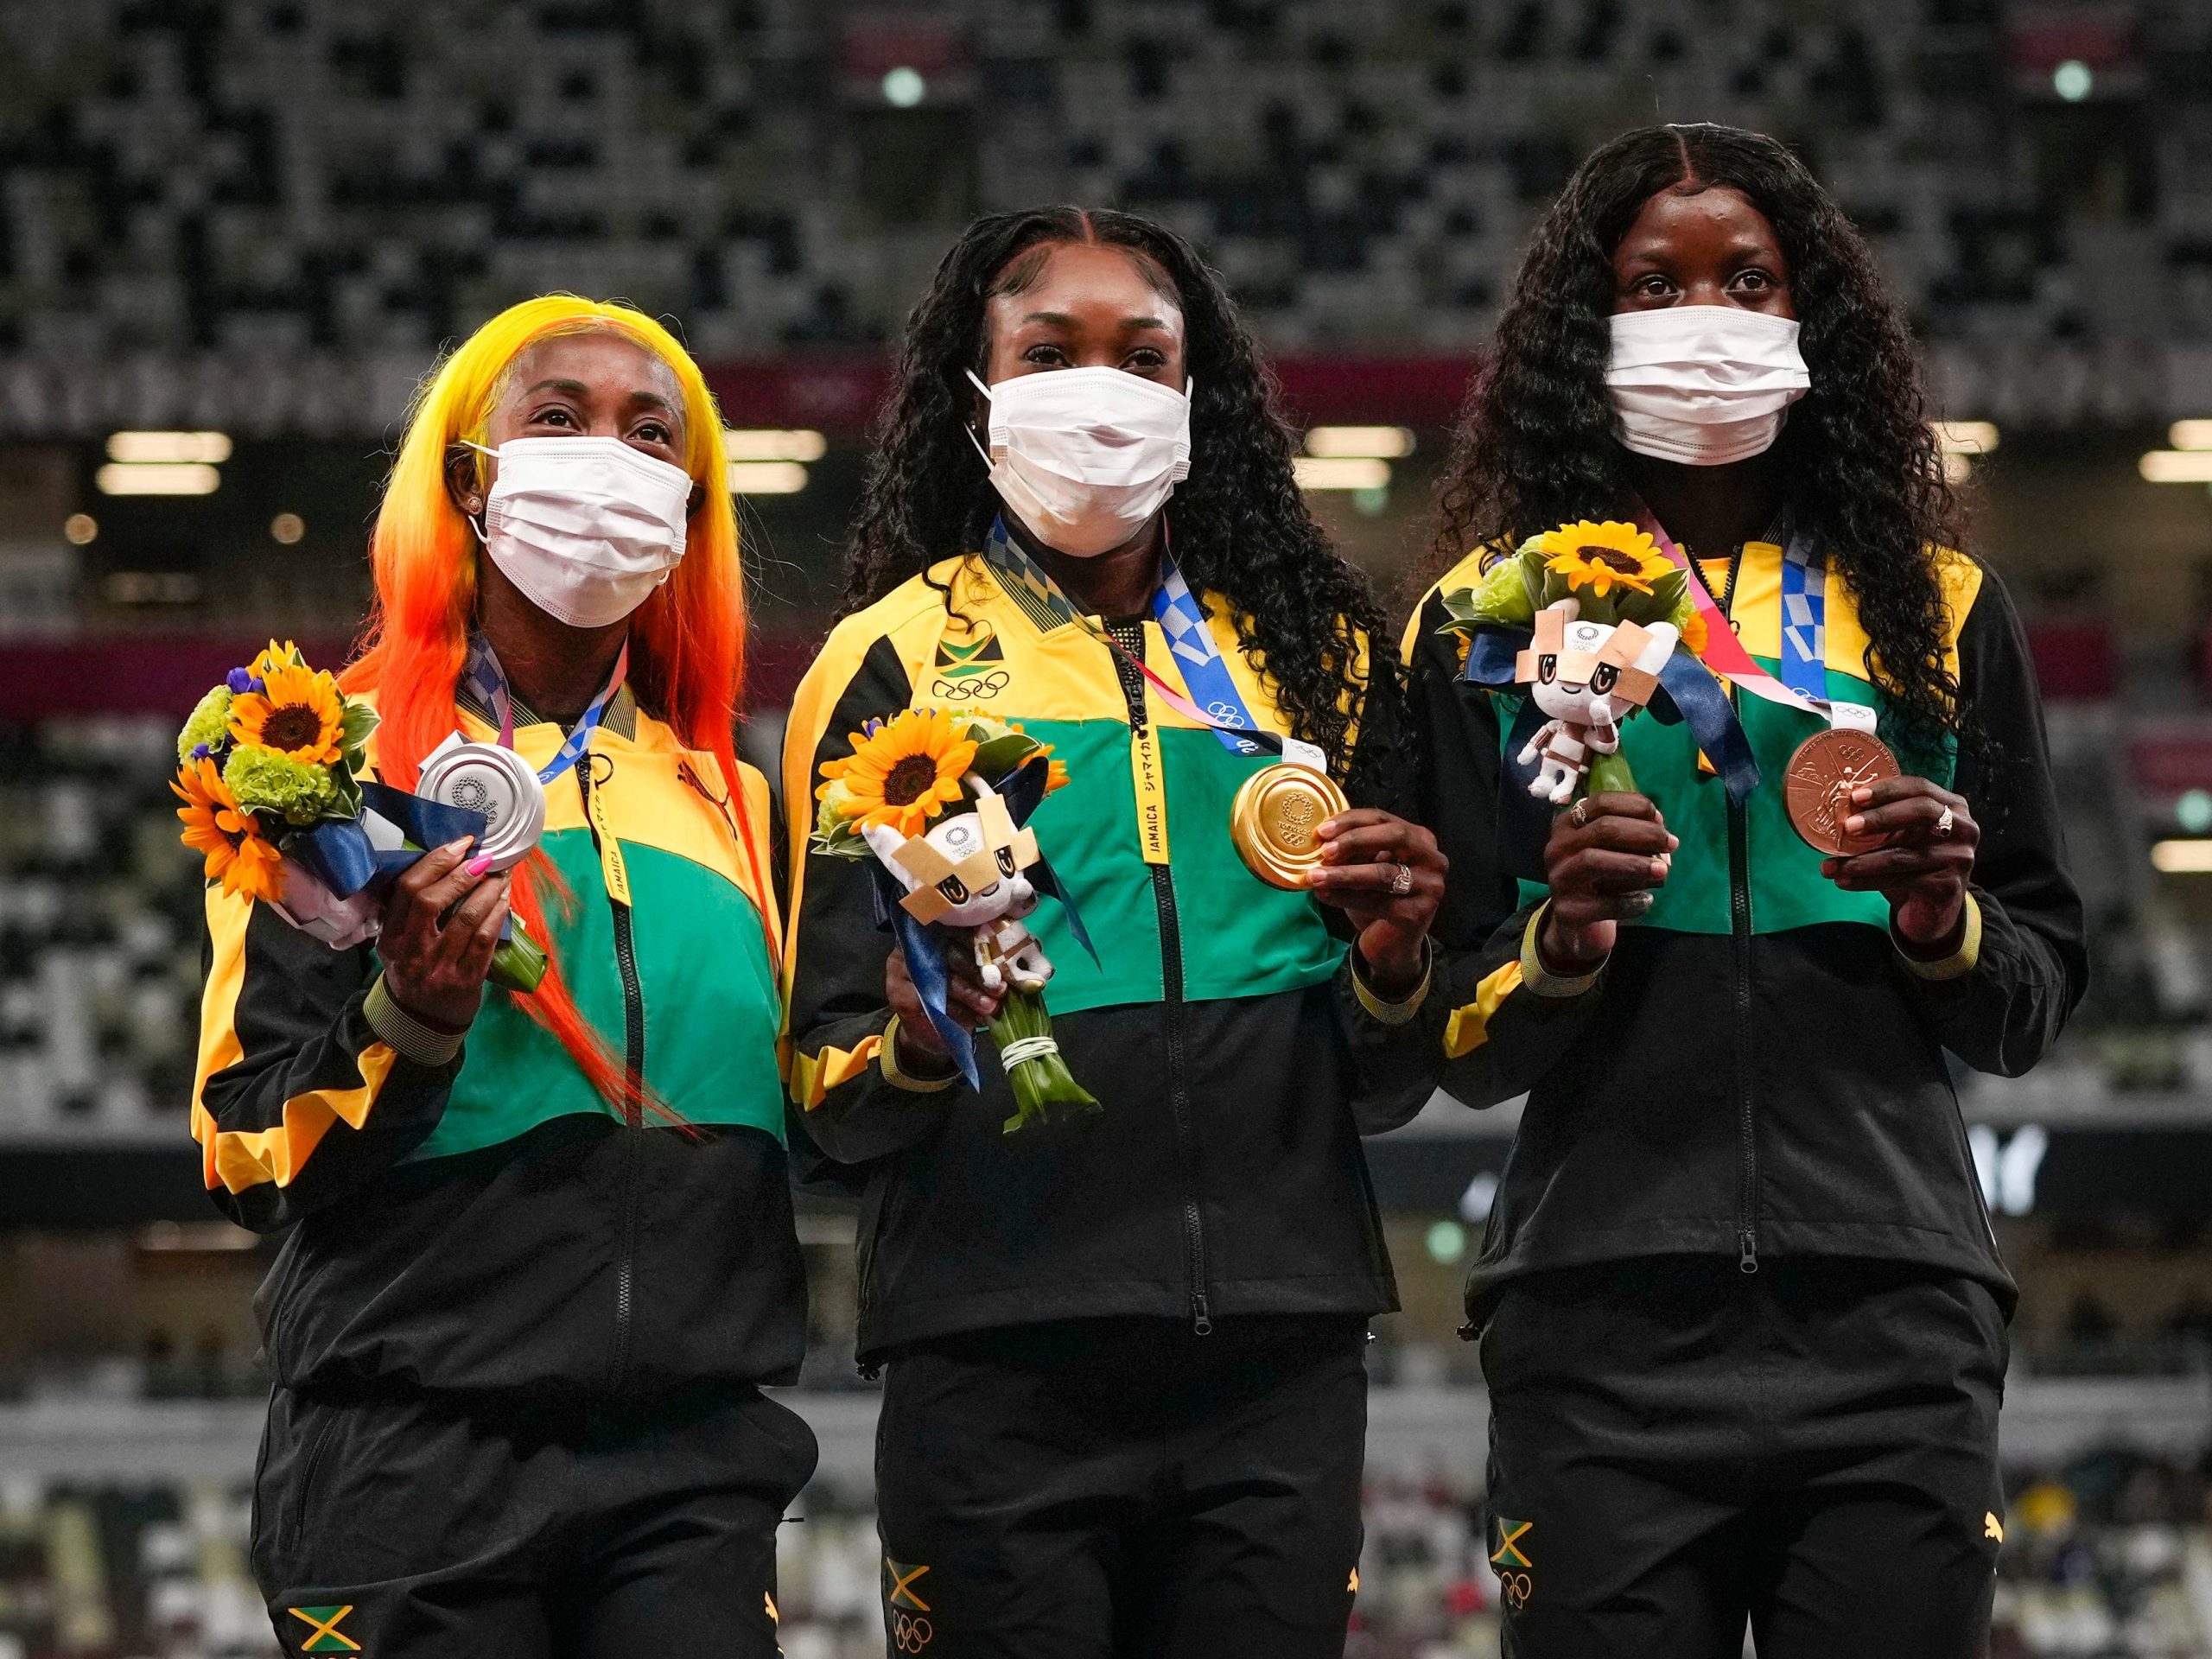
541	1255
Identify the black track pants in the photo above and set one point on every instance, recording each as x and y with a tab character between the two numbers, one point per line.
399	1528
1679	1448
1124	1487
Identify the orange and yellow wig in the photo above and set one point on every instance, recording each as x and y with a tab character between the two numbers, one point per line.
687	641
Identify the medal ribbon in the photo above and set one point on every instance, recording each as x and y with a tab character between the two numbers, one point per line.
1804	632
488	681
1176	611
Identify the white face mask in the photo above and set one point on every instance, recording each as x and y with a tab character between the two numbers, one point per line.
1084	456
1704	384
587	527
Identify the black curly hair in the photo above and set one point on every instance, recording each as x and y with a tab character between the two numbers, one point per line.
1242	528
1535	445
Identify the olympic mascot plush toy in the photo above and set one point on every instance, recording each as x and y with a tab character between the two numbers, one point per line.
967	872
1587	678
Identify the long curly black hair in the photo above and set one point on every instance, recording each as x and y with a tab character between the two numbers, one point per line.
1535	444
1241	526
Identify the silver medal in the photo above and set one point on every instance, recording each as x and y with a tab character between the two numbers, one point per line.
496	782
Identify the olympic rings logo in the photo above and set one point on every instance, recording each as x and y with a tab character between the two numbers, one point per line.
979	689
910	1635
1517	1588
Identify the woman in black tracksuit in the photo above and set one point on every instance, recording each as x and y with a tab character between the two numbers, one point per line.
536	1269
1741	1310
1124	1397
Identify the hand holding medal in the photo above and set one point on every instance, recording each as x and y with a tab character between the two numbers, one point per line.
1387	876
1919	842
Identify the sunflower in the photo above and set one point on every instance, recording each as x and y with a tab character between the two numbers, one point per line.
229	838
298	712
1600	557
902	772
1694	633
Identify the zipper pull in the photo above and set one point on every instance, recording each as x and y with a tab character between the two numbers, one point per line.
1747	1258
1201	1321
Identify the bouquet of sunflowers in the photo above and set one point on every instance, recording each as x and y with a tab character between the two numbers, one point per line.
270	753
270	768
1587	617
940	803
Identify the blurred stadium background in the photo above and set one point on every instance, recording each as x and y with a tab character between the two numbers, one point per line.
234	232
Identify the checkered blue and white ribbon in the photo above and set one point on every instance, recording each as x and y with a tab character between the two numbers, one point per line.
1191	642
1804	618
1804	684
484	675
1214	701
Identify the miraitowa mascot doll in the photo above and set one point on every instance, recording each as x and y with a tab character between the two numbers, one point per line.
967	872
1588	676
1590	622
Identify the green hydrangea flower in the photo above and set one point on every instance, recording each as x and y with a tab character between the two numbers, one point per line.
836	823
266	781
210	723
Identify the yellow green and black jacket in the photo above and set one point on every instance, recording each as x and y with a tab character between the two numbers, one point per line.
479	1220
1757	1070
1236	1058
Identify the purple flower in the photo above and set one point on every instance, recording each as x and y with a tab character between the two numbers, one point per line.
240	680
200	751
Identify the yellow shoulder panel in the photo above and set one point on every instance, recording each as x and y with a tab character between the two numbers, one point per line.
1466	574
237	1159
1848	646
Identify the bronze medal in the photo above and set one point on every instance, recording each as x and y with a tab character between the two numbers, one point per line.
1828	766
1274	819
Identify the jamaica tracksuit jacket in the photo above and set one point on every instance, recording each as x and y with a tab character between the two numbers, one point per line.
1236	1058
1125	1398
1758	1068
1741	1308
473	1230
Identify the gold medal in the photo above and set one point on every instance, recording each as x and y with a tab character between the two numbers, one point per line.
1274	817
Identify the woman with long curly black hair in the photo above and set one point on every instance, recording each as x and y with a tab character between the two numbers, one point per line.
1125	1398
1741	1309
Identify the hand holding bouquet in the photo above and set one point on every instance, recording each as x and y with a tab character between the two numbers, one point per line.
974	873
270	769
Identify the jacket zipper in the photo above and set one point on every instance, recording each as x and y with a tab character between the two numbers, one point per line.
1739	950
1739	931
1130	638
633	1067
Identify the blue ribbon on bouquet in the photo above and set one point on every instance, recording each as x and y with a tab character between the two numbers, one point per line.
1687	695
342	856
922	942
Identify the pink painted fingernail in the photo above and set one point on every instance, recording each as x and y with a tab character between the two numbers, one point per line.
480	863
